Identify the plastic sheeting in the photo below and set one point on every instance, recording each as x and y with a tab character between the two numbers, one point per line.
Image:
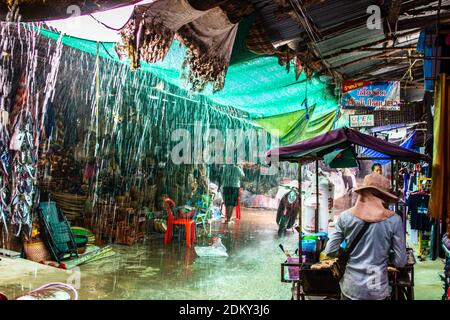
408	143
299	125
254	84
288	127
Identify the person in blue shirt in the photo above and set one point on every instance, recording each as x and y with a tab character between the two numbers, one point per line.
366	274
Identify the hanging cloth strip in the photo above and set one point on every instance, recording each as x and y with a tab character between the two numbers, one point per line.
23	160
209	36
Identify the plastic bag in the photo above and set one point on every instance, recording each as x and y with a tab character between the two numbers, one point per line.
216	249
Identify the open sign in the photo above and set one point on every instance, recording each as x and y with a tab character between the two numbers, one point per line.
365	120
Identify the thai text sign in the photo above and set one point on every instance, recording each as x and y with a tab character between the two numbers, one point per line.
383	95
364	120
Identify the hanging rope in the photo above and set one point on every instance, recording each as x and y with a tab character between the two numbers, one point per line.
106	26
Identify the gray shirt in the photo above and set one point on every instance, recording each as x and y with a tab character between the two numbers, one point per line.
232	175
366	276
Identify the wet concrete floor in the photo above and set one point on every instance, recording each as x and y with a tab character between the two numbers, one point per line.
152	270
156	271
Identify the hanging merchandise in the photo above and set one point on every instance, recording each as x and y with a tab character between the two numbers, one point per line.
418	209
23	161
420	220
26	128
5	171
208	35
6	79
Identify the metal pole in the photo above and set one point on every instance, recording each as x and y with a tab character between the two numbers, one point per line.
300	254
392	174
317	196
396	182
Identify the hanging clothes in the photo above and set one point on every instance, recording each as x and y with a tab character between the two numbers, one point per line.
440	193
418	208
414	236
446	241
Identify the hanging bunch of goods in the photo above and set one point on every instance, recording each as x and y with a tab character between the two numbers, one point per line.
23	159
6	75
205	29
22	122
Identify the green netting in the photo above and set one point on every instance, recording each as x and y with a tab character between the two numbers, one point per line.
254	84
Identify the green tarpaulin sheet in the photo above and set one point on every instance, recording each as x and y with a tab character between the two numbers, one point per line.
257	85
319	124
288	127
296	126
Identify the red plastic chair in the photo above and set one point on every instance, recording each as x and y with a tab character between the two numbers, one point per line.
189	224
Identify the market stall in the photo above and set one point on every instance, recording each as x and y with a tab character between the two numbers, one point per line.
339	149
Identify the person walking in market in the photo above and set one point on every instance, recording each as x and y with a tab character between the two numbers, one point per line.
232	175
382	242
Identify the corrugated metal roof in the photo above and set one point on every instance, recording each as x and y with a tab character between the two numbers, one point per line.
357	37
280	27
332	13
343	34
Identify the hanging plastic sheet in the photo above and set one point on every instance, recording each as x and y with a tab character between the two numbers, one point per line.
408	143
319	124
288	126
431	67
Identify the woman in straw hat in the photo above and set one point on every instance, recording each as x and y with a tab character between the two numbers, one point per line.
366	276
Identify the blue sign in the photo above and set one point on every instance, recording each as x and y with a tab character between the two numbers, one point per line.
383	95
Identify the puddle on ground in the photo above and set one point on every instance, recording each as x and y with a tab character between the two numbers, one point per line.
153	270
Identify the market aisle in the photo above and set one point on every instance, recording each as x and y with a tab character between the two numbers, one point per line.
428	285
155	271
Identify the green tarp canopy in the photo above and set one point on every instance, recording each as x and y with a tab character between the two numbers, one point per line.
255	84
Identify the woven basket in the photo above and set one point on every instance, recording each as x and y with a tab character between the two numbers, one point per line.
36	251
71	205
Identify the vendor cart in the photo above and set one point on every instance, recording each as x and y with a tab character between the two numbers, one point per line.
315	149
401	280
